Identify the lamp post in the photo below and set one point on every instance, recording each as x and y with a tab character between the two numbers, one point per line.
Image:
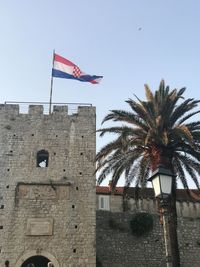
162	183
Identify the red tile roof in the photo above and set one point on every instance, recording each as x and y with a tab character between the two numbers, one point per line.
106	190
192	195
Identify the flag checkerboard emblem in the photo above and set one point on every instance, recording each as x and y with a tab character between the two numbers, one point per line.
76	71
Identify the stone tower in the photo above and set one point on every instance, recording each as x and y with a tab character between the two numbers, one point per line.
47	187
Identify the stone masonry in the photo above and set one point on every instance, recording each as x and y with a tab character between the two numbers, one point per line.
47	212
118	247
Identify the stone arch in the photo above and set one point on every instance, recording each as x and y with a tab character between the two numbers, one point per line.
32	253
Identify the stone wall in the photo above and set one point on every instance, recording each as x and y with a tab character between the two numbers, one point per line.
47	211
118	247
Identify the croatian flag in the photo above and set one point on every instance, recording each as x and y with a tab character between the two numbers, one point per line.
63	68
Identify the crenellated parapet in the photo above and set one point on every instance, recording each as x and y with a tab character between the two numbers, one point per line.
38	110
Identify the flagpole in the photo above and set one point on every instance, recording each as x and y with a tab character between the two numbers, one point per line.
51	88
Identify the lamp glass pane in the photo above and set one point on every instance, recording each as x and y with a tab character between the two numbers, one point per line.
156	185
166	184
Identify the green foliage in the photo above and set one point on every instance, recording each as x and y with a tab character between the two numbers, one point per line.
141	223
156	131
113	224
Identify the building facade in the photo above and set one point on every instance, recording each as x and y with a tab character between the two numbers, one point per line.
47	187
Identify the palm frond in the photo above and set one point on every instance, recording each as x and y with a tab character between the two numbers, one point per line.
182	109
154	132
128	117
149	94
180	172
188	116
189	167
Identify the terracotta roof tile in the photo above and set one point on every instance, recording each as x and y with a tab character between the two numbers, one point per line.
192	195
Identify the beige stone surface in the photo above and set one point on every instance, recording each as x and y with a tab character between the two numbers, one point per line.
64	191
39	226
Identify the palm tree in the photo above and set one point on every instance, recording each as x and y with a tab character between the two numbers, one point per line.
155	132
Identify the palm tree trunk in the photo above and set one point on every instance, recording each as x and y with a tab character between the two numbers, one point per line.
173	228
166	161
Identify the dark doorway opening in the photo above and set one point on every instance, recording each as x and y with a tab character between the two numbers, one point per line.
36	261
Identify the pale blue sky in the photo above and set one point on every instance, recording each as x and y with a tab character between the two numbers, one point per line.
102	38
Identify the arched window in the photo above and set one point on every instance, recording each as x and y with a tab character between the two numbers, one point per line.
42	159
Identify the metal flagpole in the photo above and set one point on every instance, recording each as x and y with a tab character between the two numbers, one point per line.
50	102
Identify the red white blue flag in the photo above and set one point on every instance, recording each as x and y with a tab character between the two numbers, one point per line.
63	68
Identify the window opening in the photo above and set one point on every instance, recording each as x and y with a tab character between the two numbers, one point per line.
42	159
104	202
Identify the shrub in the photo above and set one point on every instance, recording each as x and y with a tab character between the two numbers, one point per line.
141	223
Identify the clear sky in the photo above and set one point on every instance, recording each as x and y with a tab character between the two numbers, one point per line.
129	42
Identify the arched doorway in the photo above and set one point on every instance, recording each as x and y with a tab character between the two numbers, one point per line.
36	261
43	257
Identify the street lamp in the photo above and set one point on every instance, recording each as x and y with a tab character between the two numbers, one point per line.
162	183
